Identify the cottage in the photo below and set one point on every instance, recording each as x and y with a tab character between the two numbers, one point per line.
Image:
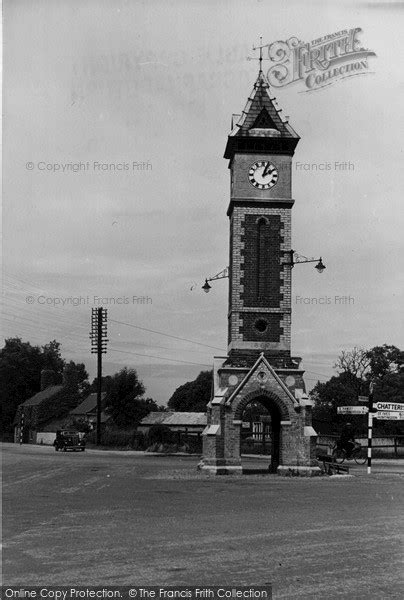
87	411
38	418
33	414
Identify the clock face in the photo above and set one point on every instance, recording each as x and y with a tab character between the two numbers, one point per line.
263	175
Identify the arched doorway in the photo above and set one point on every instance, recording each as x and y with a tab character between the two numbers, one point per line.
260	431
292	438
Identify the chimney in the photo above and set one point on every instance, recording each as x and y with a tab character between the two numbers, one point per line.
48	378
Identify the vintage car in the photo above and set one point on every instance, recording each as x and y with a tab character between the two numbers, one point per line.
69	440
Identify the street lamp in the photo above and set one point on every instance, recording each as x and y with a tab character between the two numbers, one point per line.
221	275
296	258
320	266
206	287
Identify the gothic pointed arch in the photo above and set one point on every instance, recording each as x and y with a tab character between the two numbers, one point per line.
273	399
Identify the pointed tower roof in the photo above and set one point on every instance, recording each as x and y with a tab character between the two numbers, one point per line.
260	127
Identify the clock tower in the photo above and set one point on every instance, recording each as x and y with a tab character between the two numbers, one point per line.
260	148
259	366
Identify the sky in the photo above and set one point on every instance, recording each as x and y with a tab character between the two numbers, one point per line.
115	189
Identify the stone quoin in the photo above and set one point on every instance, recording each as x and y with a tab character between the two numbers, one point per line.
259	366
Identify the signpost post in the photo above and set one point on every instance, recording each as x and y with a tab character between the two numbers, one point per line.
370	426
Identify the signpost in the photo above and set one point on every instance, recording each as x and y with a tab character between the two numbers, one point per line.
370	426
352	410
392	406
389	415
386	411
389	411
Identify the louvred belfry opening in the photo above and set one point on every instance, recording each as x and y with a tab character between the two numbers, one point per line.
264	121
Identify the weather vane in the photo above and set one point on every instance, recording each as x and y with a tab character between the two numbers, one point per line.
259	58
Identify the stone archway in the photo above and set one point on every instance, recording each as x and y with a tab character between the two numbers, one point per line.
270	397
234	388
278	412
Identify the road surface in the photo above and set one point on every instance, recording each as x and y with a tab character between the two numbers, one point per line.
123	518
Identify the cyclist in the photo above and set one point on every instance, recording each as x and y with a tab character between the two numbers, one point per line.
347	440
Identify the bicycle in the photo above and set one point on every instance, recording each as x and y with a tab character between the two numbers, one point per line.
358	454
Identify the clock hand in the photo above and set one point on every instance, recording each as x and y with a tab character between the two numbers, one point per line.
266	170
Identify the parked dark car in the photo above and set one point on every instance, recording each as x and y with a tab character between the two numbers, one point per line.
68	440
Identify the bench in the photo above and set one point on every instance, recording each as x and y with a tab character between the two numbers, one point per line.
330	466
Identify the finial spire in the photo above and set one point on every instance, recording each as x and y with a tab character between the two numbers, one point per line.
260	54
260	57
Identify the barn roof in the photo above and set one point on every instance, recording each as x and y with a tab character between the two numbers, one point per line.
184	419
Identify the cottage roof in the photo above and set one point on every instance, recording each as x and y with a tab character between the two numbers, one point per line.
42	395
89	405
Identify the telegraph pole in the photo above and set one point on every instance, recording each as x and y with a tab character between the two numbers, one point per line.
98	336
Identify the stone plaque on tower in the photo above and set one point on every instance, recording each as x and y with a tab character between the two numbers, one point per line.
259	366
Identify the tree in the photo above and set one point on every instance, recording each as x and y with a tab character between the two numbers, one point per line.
387	372
384	361
341	390
373	364
52	358
355	361
20	374
384	365
76	377
105	382
193	396
160	434
124	401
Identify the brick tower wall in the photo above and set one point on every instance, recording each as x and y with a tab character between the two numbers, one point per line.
260	282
